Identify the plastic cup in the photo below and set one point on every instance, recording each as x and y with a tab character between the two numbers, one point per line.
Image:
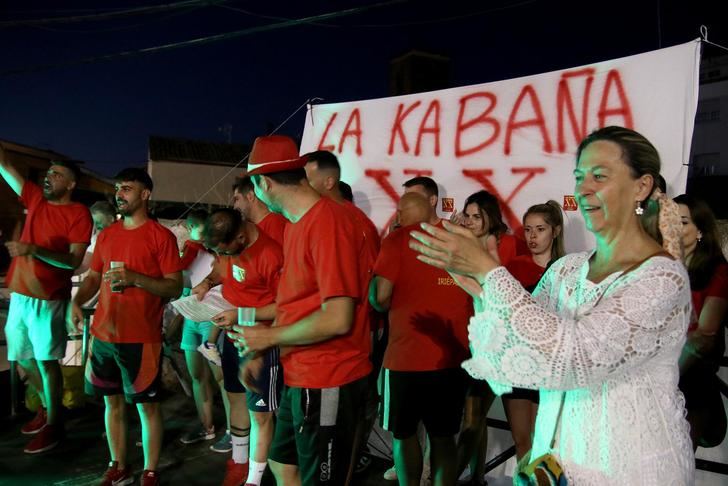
116	289
246	316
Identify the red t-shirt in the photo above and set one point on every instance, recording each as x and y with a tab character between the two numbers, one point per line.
509	247
322	255
134	315
429	314
54	227
370	230
370	241
189	252
526	271
251	278
274	225
717	287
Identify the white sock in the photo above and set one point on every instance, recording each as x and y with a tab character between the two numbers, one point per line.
240	448
255	472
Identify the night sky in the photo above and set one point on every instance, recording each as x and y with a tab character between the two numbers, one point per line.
103	112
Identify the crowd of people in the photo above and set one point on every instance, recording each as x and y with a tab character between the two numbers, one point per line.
605	360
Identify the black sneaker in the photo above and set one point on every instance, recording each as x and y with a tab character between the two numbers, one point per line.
198	435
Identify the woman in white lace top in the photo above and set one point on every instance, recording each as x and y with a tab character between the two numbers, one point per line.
602	332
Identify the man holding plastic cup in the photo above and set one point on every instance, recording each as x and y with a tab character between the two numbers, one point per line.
136	266
326	338
248	267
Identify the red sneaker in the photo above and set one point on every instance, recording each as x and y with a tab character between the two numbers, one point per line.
45	440
37	423
117	477
235	473
149	478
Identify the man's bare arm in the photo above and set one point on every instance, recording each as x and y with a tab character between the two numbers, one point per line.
10	173
67	260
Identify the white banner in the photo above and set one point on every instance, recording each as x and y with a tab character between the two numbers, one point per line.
515	138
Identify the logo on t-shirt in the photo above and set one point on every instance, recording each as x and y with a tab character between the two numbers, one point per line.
238	273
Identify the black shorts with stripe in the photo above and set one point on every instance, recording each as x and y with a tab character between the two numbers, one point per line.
269	382
318	430
131	369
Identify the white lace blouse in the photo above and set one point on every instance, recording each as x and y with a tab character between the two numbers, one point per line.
623	420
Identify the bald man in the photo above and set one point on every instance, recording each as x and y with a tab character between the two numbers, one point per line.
422	378
413	208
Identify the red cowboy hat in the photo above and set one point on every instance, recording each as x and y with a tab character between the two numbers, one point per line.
274	153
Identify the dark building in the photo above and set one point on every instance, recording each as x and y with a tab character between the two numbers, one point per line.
418	71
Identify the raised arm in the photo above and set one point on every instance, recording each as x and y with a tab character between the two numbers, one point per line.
516	341
10	173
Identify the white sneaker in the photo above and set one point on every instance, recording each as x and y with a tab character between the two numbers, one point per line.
210	352
390	474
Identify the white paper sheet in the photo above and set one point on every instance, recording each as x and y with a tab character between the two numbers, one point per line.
198	270
204	310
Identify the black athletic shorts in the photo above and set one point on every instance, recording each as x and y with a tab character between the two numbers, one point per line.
317	430
269	383
435	398
231	361
131	369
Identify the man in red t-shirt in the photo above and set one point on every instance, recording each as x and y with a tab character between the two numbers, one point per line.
56	234
323	173
318	321
249	269
255	211
426	187
422	381
136	266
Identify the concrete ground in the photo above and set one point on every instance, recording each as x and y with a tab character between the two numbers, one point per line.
82	458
